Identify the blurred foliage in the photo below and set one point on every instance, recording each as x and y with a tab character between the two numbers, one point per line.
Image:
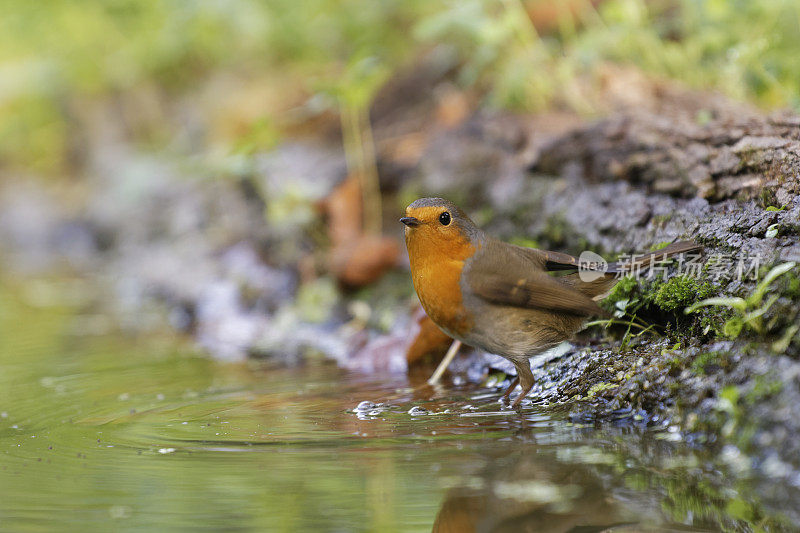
59	59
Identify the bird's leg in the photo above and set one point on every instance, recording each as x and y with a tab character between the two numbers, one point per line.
451	353
511	387
525	380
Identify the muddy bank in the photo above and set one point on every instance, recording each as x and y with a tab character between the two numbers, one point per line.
708	171
237	252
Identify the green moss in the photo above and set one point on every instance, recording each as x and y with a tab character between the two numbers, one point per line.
631	294
659	246
661	302
680	292
600	387
705	361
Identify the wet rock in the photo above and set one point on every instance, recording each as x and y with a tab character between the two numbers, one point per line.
381	353
223	327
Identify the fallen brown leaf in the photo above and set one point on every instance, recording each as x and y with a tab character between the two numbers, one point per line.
363	261
356	258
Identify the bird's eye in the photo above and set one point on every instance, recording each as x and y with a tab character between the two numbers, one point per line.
444	218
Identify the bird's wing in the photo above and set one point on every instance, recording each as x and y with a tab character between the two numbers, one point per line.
553	261
508	275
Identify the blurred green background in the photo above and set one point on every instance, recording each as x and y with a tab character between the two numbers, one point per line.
252	70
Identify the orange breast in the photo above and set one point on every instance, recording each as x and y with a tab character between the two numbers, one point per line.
436	272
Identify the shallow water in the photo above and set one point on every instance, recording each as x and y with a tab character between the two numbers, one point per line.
107	431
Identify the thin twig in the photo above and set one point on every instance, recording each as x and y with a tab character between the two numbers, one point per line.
451	353
370	181
359	151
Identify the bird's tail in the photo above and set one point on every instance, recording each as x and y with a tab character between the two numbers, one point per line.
600	287
644	261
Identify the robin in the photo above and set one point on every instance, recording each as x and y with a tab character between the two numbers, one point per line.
499	297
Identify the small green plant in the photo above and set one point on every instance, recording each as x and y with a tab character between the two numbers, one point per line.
624	297
356	90
782	344
748	311
623	302
680	291
634	296
772	231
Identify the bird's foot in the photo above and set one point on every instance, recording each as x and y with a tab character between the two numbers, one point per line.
507	394
523	393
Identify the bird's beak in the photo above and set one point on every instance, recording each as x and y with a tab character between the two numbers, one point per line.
411	222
